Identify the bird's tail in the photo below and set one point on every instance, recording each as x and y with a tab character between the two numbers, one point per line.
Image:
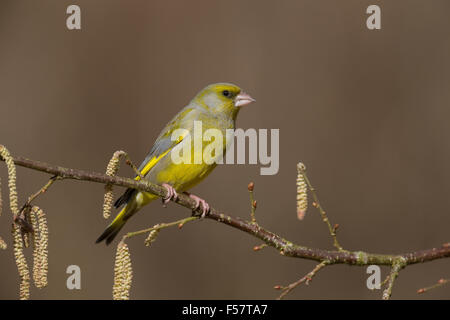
113	229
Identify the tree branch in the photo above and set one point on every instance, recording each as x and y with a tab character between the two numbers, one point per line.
440	283
306	279
395	270
285	247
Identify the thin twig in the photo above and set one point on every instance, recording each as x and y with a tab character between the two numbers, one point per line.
161	226
39	192
131	164
395	270
288	248
440	283
21	219
305	279
250	188
325	219
285	247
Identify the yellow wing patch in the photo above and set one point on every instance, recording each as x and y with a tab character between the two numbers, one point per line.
155	160
150	165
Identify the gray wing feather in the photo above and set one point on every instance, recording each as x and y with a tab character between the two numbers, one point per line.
161	145
164	141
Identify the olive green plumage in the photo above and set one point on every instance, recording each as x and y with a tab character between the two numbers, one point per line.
216	106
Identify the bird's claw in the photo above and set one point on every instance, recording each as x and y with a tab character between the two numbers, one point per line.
171	194
198	201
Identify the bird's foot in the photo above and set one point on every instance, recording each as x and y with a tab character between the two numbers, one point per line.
198	201
171	194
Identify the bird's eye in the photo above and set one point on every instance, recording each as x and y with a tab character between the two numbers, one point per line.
226	93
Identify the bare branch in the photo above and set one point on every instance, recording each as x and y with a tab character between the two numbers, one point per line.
305	279
285	247
440	283
39	192
395	270
316	204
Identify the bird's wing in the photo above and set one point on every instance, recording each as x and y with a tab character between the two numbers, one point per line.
161	147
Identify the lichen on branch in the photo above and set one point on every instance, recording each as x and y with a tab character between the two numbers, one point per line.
285	247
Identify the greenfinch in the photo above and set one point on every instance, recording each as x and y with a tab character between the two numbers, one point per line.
217	107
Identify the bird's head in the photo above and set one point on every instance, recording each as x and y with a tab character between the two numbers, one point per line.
224	98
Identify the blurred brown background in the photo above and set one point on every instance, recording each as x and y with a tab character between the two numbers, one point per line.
366	111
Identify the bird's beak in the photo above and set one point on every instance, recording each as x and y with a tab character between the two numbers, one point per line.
243	99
